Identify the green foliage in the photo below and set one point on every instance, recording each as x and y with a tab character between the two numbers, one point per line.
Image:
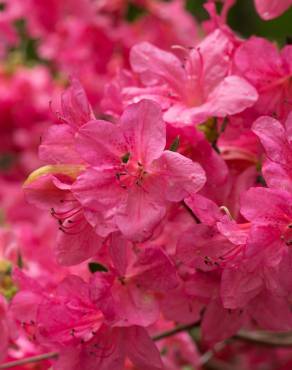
96	267
244	19
175	144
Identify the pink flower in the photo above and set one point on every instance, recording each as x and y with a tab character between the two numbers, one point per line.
269	9
109	349
80	330
51	190
50	186
131	178
194	90
269	71
270	234
137	278
276	140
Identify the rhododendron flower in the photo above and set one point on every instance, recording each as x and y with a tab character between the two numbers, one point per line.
194	90
276	139
163	230
110	348
135	280
80	330
269	71
50	186
131	179
270	234
51	190
269	9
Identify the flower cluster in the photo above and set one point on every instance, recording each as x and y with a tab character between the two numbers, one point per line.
154	228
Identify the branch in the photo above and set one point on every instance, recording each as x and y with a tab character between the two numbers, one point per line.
52	355
256	337
283	339
29	360
176	330
189	210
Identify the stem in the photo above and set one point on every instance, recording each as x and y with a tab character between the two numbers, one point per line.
188	209
29	360
176	330
266	338
260	338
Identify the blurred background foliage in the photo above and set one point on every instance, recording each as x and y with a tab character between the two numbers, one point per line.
242	18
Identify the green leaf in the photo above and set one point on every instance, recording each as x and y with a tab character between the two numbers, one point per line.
125	158
19	260
175	144
96	267
134	12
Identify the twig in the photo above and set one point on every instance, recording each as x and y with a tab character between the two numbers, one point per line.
29	360
189	210
283	339
176	330
260	338
52	355
207	356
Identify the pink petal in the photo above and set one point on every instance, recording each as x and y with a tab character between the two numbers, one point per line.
134	306
272	312
181	307
108	349
157	66
275	206
215	50
46	192
259	61
183	177
269	9
141	213
57	145
205	209
75	107
100	195
142	350
233	95
239	287
201	246
219	323
154	271
78	243
273	137
101	143
144	131
277	176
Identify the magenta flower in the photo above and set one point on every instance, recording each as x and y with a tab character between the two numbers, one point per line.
131	179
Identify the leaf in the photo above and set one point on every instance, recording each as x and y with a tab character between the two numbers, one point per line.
175	144
96	267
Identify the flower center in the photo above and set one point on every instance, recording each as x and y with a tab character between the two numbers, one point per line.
131	172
